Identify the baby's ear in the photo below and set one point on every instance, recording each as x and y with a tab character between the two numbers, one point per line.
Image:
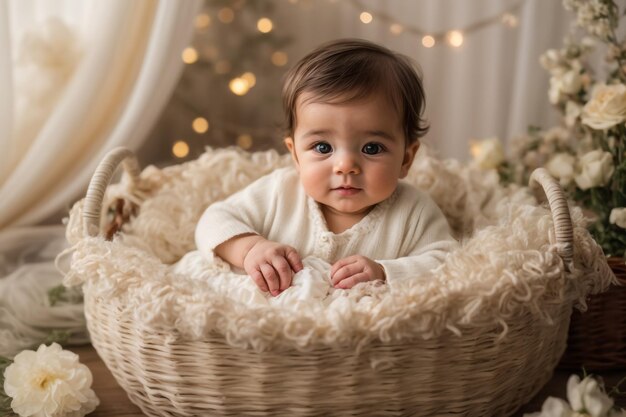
292	149
409	156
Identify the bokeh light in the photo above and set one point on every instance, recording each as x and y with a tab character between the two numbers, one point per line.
239	86
455	38
190	55
428	41
226	15
264	25
203	20
244	141
200	125
180	149
279	58
366	17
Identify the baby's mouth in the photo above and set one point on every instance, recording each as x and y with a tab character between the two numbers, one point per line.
346	190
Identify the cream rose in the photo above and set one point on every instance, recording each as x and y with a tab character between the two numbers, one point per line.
618	217
561	166
49	383
487	153
569	82
595	169
606	108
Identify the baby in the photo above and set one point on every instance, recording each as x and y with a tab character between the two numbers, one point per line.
354	117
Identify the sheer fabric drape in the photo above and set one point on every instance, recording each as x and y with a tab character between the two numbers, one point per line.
77	78
88	76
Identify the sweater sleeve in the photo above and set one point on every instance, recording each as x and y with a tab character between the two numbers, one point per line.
428	243
241	213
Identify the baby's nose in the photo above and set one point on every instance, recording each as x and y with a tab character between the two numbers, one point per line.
346	163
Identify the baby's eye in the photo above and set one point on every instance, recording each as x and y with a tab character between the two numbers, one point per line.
372	148
322	147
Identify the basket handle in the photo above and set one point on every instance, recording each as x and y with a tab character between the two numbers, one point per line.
540	178
99	182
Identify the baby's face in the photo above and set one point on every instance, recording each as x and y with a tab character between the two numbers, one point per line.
350	156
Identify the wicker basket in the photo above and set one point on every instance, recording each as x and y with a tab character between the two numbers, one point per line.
597	337
471	374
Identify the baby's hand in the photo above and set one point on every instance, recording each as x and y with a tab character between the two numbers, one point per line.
271	265
348	272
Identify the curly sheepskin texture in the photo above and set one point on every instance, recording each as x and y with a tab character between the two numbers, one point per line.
508	263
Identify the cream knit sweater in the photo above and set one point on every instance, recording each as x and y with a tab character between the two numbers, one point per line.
407	233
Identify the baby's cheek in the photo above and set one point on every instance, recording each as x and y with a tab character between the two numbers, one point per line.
313	181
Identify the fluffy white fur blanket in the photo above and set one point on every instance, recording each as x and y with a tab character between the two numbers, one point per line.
508	264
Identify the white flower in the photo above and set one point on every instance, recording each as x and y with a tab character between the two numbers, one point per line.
561	166
595	169
586	399
618	217
487	153
49	383
587	396
550	59
553	407
572	112
568	82
606	108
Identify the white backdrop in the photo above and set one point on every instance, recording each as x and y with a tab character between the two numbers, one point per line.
492	85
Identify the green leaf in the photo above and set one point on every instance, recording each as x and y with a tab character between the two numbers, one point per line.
63	295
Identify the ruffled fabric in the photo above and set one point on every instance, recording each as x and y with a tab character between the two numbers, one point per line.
508	264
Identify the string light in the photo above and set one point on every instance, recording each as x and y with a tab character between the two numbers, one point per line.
226	15
200	125
241	85
455	38
366	17
279	58
203	20
244	141
180	149
428	41
190	55
264	25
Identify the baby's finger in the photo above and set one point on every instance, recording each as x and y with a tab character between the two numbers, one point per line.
345	272
353	280
293	257
271	277
284	272
258	279
341	263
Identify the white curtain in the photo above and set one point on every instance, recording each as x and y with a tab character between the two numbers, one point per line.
77	78
492	85
119	61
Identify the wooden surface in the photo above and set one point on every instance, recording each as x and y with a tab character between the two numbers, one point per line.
114	402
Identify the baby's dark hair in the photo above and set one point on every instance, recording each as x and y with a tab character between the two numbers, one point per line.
349	69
